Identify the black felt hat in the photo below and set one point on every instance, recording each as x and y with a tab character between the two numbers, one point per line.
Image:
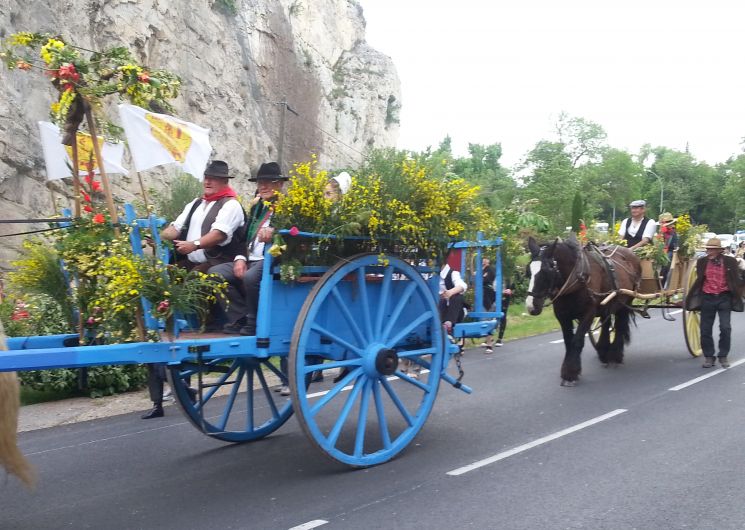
217	168
268	171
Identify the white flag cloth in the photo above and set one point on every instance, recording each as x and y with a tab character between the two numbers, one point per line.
58	157
158	139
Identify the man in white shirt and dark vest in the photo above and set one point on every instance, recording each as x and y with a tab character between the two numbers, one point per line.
638	230
211	229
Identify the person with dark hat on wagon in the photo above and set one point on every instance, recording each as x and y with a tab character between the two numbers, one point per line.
244	273
717	291
638	229
208	230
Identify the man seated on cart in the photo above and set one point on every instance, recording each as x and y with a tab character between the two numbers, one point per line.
452	287
638	229
209	231
244	273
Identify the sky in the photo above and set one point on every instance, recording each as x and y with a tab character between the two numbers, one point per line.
667	73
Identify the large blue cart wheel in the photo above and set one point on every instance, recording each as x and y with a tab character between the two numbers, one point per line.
239	401
375	331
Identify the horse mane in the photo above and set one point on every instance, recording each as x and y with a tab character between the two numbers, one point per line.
573	244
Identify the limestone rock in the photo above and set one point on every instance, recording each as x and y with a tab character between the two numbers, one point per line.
238	60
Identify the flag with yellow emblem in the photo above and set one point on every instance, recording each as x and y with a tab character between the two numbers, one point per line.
158	139
58	157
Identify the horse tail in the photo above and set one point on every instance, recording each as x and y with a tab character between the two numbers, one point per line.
11	457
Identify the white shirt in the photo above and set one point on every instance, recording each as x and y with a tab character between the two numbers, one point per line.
633	228
256	248
229	218
456	277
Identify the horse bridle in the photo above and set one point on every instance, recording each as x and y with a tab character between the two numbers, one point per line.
553	270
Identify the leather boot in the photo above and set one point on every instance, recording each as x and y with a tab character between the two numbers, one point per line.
156	412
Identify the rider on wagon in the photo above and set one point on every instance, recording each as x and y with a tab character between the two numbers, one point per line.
638	229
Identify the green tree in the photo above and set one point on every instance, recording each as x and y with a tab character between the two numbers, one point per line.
584	141
550	180
577	211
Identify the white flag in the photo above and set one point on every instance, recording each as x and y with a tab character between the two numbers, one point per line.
158	139
58	157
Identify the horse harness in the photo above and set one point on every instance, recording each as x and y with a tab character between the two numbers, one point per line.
581	271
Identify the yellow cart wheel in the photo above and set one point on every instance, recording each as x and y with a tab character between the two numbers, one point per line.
692	319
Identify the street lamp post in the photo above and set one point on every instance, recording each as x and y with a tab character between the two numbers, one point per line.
662	189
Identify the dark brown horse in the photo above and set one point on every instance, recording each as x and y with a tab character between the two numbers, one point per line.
578	280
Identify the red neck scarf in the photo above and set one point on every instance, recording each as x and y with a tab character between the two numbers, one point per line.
227	192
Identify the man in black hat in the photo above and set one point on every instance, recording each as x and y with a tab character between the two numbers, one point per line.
203	235
638	230
209	231
244	273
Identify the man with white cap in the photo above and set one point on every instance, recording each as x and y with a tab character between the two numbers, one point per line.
638	230
716	292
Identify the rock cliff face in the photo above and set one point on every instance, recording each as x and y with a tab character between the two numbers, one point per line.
238	60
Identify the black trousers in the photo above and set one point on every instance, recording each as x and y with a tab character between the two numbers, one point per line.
503	320
452	310
156	376
714	305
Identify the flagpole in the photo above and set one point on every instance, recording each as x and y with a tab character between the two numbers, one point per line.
52	196
144	193
101	169
76	174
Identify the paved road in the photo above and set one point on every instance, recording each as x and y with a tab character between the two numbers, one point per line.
621	450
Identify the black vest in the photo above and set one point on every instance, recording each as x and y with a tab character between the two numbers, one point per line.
633	240
449	284
225	252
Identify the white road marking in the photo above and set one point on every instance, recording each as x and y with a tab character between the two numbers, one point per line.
556	341
676	311
309	525
707	376
534	443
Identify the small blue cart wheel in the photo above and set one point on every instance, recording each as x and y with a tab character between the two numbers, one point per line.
240	399
375	332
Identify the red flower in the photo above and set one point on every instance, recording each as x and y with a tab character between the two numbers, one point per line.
68	73
87	208
99	218
86	197
20	314
144	77
294	231
96	186
23	65
163	306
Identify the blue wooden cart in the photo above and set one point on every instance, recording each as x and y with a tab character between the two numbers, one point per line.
358	323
